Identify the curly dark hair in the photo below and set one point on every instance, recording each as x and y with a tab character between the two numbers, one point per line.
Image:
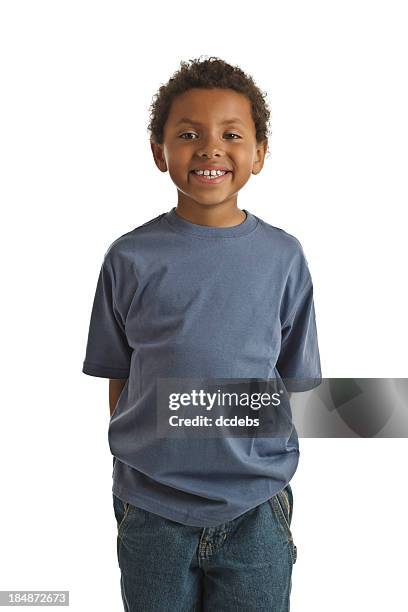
208	73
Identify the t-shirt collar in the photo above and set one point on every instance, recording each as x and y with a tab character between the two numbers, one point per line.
187	227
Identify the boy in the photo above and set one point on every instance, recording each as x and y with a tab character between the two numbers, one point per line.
204	290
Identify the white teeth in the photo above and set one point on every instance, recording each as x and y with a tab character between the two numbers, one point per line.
210	173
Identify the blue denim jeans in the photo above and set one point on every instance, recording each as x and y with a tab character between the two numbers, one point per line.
243	565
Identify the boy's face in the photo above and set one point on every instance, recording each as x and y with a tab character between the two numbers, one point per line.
209	128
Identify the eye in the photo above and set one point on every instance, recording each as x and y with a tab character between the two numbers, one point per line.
236	136
186	133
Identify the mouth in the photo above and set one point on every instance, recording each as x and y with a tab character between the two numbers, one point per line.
207	179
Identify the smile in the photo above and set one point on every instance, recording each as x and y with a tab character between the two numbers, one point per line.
207	179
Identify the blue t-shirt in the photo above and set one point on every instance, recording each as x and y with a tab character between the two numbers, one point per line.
175	299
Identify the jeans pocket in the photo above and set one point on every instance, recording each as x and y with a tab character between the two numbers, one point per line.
126	514
282	505
286	504
121	509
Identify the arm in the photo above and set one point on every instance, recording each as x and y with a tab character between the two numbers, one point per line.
115	389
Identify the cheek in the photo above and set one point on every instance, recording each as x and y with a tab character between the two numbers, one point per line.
174	174
244	169
244	160
178	165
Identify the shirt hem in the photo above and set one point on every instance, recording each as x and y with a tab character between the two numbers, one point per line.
192	520
293	385
93	369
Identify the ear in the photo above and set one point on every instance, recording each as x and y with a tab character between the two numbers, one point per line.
158	156
261	149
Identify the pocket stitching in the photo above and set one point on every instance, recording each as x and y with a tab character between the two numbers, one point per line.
286	498
283	515
122	522
277	507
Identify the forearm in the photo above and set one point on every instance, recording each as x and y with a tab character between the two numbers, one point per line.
115	389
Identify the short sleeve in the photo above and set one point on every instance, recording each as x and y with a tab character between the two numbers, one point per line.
108	353
299	360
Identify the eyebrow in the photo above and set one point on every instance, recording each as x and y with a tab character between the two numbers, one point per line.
227	121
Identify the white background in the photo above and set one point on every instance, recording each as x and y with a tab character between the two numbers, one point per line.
77	79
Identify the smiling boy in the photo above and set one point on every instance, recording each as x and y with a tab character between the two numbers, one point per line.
203	290
202	119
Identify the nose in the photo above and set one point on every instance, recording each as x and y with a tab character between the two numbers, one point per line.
208	153
210	148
